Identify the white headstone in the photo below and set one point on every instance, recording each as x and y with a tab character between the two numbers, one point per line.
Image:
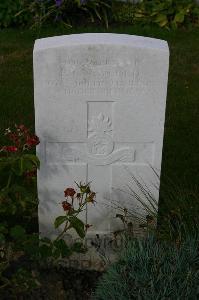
100	109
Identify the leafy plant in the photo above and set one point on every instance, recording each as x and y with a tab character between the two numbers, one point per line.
18	174
152	269
18	204
74	204
16	243
175	218
8	11
65	12
164	13
97	9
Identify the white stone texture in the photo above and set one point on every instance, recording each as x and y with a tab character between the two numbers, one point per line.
99	113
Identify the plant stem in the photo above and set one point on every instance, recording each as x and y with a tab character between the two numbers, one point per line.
62	233
9	180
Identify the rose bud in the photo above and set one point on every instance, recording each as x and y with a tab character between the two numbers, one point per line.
69	192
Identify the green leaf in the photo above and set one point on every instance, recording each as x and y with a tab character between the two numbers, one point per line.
139	15
78	225
31	245
24	163
60	220
45	251
179	18
63	248
17	232
161	18
78	247
17	166
174	25
33	159
56	253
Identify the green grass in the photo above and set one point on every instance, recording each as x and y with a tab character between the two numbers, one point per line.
181	142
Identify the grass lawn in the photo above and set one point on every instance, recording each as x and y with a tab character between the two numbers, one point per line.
181	142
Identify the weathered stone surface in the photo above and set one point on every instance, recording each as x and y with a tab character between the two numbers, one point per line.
99	109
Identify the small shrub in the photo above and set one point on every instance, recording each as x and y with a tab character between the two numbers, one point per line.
164	264
8	11
18	198
38	12
18	205
163	13
175	217
150	269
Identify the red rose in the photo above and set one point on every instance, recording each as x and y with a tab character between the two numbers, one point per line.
32	141
69	192
66	206
10	148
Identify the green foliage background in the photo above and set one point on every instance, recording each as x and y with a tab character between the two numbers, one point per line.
35	13
163	13
8	11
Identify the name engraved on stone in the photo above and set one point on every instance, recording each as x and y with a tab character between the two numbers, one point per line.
91	77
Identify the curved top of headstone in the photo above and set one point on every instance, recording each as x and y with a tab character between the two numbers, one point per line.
100	39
